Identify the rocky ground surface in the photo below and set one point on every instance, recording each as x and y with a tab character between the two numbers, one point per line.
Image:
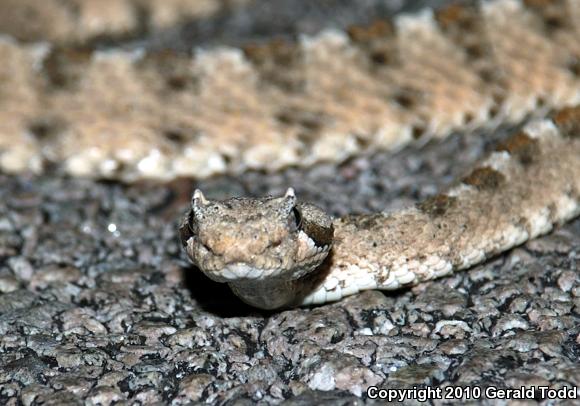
98	304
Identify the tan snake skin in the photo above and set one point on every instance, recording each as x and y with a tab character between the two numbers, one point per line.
522	190
80	21
130	115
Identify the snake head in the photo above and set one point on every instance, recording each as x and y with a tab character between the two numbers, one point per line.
255	238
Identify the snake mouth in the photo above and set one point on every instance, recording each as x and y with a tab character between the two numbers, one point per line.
265	268
305	257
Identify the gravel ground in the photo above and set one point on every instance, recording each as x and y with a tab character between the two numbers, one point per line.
100	306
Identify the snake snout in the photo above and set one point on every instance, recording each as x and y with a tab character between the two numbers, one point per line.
240	247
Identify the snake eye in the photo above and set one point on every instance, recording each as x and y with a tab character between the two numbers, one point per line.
190	219
295	219
186	229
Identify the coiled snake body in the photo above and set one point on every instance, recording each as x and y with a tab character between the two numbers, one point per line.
270	250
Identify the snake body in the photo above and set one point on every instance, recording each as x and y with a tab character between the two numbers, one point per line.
131	114
270	259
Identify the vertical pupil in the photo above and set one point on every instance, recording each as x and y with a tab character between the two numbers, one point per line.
190	219
295	219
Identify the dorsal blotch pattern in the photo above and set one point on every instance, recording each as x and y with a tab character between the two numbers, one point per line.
437	205
521	146
568	120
